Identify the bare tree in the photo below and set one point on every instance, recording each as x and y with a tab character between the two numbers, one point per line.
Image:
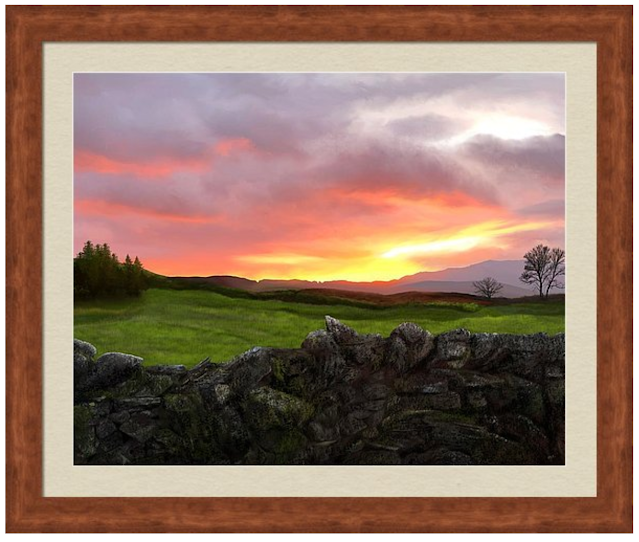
556	269
543	267
488	287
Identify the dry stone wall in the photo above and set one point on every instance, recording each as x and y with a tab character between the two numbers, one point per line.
343	398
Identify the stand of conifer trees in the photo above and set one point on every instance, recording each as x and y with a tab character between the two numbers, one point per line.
97	272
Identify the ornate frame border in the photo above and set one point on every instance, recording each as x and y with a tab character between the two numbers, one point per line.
29	27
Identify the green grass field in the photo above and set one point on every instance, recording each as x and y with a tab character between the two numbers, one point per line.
184	327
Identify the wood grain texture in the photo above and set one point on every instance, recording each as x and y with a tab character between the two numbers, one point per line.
27	29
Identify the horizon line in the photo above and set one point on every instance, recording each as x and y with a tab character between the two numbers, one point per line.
337	280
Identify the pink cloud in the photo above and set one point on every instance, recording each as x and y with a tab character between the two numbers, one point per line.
86	161
233	145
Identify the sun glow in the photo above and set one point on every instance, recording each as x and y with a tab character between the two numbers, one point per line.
390	256
388	259
450	245
480	234
287	259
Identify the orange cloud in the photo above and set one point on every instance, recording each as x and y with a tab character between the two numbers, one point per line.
400	195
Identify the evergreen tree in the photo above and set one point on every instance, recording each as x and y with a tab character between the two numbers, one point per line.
138	276
129	276
98	272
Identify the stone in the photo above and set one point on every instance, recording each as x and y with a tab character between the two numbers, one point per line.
453	349
422	383
222	393
553	371
351	425
367	353
356	349
500	399
528	355
327	363
323	426
340	333
443	401
407	429
370	433
139	402
557	349
85	440
488	350
372	406
120	417
284	444
479	380
110	444
230	433
396	354
476	399
408	346
169	370
267	408
104	429
454	435
114	368
82	369
203	373
84	349
375	391
247	370
556	393
182	403
497	450
523	430
141	426
322	434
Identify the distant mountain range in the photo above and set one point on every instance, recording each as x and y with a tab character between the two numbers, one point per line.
454	279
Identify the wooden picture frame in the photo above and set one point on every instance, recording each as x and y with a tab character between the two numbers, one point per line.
27	30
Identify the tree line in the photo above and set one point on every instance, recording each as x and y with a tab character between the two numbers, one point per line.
97	272
543	269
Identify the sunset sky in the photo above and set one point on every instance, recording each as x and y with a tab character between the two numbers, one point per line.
318	176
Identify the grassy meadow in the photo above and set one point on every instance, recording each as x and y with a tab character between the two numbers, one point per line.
185	326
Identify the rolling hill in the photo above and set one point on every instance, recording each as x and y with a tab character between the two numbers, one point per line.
455	280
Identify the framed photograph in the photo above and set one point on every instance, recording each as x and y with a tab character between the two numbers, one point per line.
322	279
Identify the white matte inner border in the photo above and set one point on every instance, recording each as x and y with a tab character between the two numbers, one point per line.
576	478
